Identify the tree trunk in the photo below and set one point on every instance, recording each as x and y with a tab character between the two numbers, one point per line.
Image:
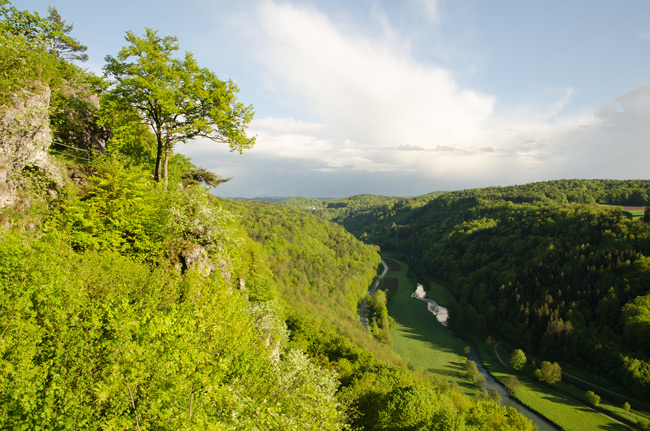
165	164
159	152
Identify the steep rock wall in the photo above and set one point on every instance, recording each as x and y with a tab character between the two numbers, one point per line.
25	137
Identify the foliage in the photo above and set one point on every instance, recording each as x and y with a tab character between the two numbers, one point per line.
35	53
378	319
317	265
548	265
592	398
97	340
59	41
472	372
518	359
197	176
178	99
121	210
51	33
22	63
129	137
512	385
549	373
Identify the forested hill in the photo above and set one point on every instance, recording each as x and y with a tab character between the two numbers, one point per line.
558	268
131	298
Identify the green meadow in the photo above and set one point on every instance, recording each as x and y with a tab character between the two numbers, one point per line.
567	412
423	341
429	346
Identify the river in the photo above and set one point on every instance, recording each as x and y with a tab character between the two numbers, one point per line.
442	315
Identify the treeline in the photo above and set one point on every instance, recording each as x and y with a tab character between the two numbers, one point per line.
557	277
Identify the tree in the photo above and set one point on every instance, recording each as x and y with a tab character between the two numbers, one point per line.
203	176
52	33
518	359
626	406
59	41
471	369
21	23
512	384
592	398
474	375
178	99
549	373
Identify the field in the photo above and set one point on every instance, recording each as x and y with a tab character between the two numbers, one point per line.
421	340
391	284
393	265
568	412
428	346
635	211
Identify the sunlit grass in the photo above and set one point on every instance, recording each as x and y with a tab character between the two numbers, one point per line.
567	413
421	340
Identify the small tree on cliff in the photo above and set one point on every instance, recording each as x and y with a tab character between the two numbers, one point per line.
51	33
178	99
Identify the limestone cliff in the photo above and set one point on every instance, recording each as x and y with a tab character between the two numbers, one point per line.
25	137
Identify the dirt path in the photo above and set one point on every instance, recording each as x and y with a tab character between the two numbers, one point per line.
363	309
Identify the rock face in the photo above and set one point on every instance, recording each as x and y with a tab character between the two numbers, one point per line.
76	120
197	257
25	137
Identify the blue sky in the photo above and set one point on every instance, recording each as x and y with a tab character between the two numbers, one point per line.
407	97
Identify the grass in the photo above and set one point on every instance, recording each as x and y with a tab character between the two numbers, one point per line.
429	346
620	391
608	407
421	340
568	413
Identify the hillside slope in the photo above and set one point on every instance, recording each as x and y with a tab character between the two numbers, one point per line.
543	264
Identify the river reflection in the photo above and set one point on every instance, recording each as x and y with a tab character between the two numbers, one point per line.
441	313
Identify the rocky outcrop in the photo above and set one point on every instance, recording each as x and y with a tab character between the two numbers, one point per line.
25	137
75	116
196	257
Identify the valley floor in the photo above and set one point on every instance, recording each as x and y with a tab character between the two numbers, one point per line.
430	347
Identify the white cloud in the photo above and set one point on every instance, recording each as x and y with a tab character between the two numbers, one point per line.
371	91
430	9
366	111
379	110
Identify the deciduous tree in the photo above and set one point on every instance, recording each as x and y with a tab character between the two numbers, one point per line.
518	359
52	33
592	398
512	385
550	373
178	99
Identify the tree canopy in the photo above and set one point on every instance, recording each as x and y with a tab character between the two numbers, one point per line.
518	359
52	32
178	99
550	373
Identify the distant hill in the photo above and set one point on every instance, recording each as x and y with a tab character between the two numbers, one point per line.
559	268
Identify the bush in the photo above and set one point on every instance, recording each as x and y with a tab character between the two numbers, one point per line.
518	359
592	398
550	373
22	62
512	385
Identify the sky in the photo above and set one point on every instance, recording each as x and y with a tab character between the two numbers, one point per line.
406	97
